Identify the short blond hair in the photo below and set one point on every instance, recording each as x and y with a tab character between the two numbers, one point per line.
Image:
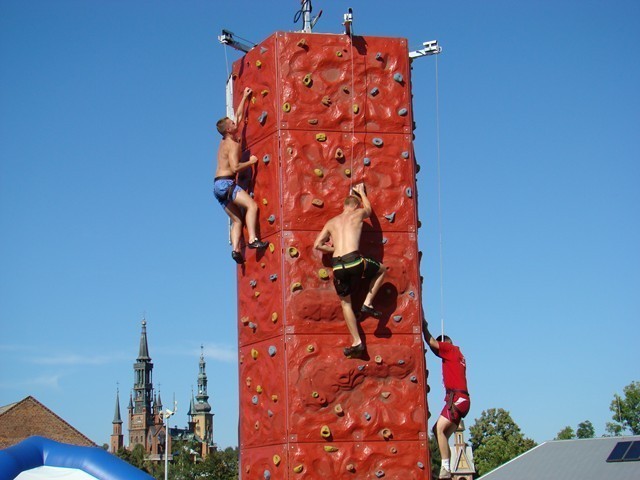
352	201
221	125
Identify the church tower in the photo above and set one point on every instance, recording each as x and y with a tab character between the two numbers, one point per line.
200	413
462	467
117	440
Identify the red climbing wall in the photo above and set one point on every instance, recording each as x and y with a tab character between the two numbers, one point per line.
324	116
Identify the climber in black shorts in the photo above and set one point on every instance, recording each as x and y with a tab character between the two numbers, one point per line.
349	266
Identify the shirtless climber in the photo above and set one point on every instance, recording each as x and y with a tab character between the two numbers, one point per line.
349	266
233	198
454	375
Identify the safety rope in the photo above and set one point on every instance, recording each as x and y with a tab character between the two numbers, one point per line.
353	115
226	62
439	200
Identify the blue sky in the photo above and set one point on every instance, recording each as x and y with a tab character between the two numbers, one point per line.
107	138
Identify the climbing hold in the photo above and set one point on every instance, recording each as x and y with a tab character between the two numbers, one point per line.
248	381
330	448
326	101
266	158
256	425
252	325
367	416
397	318
272	247
276	460
317	202
263	50
412	294
318	172
386	433
379	56
244	320
367	161
391	217
380	473
262	117
393	450
253	283
402	112
286	107
274	398
400	362
414	379
345	89
377	141
325	431
254	400
254	353
296	286
273	277
384	240
270	413
253	100
315	394
421	465
271	219
339	154
298	469
313	121
272	350
356	108
374	91
265	201
347	172
256	294
293	252
338	53
398	77
378	359
405	154
321	137
409	192
351	468
259	389
274	317
302	43
323	274
267	475
361	367
310	348
307	80
258	63
385	394
264	93
338	409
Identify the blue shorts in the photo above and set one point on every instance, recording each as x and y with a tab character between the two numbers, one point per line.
225	190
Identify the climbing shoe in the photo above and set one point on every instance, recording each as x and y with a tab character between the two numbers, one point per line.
237	256
370	311
354	351
258	244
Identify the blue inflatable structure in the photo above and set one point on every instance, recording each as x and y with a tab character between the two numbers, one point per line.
30	459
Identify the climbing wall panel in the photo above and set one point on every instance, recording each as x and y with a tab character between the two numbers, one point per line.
328	112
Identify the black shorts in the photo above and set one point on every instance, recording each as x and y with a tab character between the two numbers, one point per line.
349	269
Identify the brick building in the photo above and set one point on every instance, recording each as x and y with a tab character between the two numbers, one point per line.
29	417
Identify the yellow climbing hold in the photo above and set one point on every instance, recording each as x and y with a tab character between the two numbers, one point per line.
317	202
274	398
356	108
272	247
256	294
259	389
265	201
338	409
313	121
321	137
326	101
345	89
302	42
293	252
264	93
347	172
329	448
315	394
274	317
338	53
258	63
276	460
325	431
286	107
299	468
254	353
307	80
323	274
378	359
296	286
310	348
318	172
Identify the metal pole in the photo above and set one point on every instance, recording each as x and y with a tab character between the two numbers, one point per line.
166	447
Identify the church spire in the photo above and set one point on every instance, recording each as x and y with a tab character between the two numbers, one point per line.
202	396
116	416
144	347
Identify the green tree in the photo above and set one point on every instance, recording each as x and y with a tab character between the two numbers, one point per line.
566	433
434	453
626	411
496	439
585	430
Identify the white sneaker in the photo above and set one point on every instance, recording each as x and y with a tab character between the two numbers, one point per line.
444	473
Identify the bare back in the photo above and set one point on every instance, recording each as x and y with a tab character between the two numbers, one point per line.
228	148
345	230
